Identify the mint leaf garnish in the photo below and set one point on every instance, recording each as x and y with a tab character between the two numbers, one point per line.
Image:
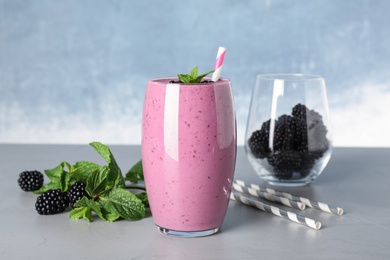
83	209
59	179
124	203
194	72
82	212
144	198
115	177
81	170
97	182
105	186
193	76
135	173
109	216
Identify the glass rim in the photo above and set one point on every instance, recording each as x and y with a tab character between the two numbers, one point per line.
165	80
290	76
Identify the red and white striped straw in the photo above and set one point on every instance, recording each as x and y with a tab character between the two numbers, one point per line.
218	64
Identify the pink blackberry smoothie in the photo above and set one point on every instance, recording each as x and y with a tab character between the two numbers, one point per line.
188	154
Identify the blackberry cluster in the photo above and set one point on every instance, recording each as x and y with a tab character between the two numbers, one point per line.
52	202
298	141
30	180
76	192
259	140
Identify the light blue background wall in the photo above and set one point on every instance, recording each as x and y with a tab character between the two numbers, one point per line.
75	71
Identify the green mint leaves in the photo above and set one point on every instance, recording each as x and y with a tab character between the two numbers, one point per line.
105	185
108	204
193	77
135	173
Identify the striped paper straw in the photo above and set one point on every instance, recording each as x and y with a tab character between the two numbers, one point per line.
312	204
270	197
275	210
218	64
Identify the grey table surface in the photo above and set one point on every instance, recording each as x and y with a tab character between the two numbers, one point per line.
356	179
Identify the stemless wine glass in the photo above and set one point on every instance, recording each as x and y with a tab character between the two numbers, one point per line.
288	138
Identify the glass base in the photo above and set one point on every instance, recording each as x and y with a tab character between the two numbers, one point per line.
289	184
188	234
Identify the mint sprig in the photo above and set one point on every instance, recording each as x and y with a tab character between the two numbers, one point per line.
59	178
109	203
135	173
193	77
105	185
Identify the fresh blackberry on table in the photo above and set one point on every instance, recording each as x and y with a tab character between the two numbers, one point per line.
259	141
30	180
52	202
76	192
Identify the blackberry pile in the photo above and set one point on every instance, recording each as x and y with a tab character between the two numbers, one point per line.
30	180
56	201
298	141
52	202
76	192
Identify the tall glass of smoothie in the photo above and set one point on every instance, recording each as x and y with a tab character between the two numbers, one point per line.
188	154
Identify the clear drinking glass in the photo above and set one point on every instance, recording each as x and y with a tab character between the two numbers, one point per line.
188	154
288	138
